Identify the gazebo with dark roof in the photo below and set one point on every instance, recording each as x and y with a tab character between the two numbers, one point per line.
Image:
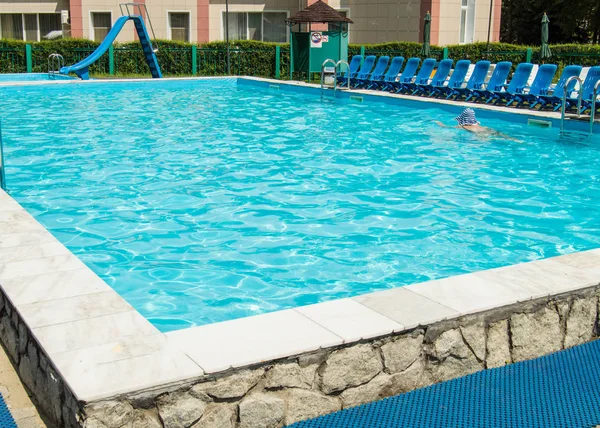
310	48
318	12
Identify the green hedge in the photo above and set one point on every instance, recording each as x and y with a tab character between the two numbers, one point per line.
256	58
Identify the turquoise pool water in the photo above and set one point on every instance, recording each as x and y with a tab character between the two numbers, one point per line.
202	201
31	77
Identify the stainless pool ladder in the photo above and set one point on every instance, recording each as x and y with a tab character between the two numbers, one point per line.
563	108
55	63
332	71
2	172
145	16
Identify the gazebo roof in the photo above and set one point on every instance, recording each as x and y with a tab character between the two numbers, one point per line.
318	12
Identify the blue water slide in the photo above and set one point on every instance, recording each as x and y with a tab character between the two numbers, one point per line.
82	67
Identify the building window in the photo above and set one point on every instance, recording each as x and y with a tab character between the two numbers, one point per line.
30	26
50	25
261	26
467	21
101	25
179	23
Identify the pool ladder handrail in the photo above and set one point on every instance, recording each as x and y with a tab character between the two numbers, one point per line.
595	94
145	16
55	63
324	72
2	173
336	65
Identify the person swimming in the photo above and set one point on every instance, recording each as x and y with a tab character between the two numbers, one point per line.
467	121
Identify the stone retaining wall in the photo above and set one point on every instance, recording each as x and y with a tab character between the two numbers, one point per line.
50	393
286	391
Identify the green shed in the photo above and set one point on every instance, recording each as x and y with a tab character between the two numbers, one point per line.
317	33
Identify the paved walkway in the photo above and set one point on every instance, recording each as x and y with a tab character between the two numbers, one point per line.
16	397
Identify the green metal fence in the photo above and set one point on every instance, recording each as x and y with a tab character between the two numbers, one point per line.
273	62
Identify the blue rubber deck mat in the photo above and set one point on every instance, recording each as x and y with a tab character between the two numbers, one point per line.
6	419
557	390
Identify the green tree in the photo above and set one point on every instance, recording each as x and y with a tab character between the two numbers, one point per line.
571	21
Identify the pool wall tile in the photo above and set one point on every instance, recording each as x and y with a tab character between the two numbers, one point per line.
92	332
408	308
52	286
350	320
132	363
60	311
245	341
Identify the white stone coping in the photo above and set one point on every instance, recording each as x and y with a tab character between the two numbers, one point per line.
102	347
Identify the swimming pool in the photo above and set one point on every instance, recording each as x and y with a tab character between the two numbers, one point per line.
202	201
32	77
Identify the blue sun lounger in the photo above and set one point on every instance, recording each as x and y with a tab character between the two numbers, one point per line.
496	82
475	82
390	76
342	77
555	100
593	76
365	70
407	75
457	78
377	73
438	79
540	86
422	77
516	86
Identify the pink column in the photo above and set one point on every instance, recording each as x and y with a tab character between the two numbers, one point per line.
496	23
433	7
202	21
76	14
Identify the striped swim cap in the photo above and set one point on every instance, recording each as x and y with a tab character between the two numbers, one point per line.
467	117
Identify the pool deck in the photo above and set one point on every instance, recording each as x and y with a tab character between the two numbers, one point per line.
102	347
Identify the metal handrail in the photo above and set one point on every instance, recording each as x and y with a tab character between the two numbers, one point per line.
146	14
563	108
593	112
55	59
341	62
2	173
327	61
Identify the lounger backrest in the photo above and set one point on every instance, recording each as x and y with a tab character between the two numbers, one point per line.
519	78
441	74
568	72
366	68
543	79
458	75
382	64
353	67
425	71
394	70
590	81
499	76
479	74
409	71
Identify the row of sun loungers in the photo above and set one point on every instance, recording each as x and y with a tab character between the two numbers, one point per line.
440	79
